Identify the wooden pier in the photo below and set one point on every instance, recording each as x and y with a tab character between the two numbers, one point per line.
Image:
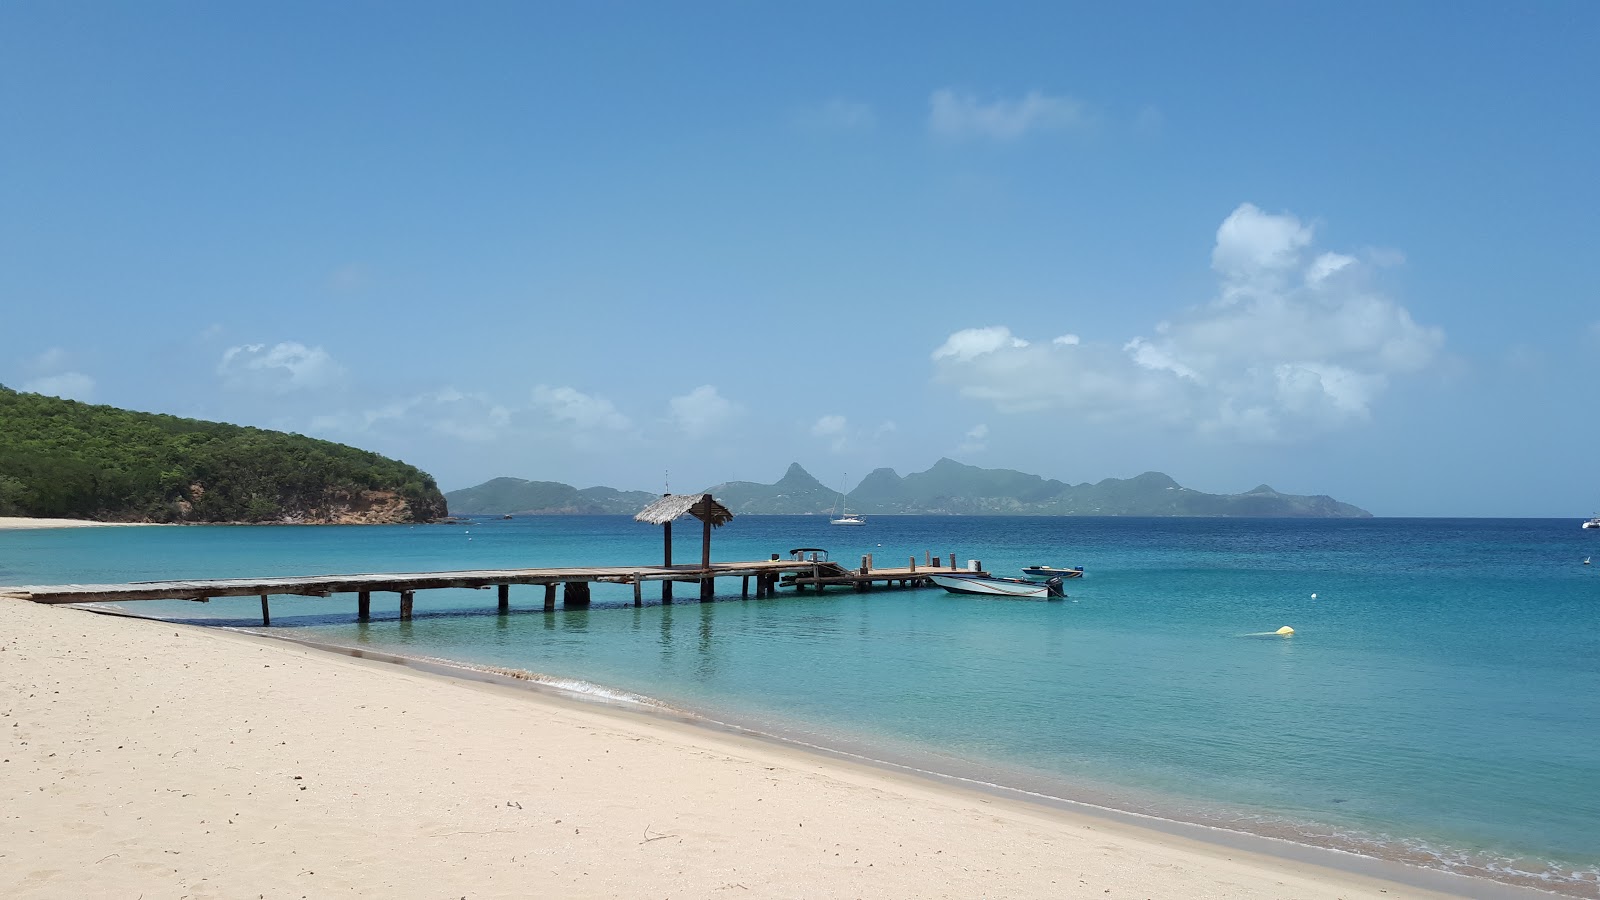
766	575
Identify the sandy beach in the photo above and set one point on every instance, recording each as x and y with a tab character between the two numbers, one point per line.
17	523
147	759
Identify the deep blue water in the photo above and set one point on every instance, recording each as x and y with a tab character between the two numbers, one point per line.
1439	700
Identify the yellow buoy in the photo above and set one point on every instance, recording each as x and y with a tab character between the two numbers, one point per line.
1285	631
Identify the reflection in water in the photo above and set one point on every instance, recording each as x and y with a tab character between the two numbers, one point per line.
705	664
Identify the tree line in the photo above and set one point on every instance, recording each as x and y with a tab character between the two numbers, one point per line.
66	459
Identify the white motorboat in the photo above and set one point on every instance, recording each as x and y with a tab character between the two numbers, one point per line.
1052	571
1592	523
986	586
842	514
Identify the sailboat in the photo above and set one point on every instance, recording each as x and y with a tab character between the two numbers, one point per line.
846	518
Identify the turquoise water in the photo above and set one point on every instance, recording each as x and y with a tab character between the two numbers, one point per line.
1438	703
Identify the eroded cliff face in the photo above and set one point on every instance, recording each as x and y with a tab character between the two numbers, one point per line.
363	508
335	507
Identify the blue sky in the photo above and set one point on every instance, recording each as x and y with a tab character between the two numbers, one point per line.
1338	248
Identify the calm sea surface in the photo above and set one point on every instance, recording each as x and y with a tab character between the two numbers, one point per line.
1439	702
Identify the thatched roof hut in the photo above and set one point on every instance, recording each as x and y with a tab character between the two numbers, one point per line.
675	506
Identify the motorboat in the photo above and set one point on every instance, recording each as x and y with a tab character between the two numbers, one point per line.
990	586
1592	523
1052	572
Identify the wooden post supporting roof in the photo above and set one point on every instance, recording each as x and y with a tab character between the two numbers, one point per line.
674	506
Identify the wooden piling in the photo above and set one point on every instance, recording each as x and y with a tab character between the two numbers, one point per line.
505	599
744	588
913	565
952	562
638	589
708	586
666	560
364	605
406	598
574	593
866	563
266	615
549	597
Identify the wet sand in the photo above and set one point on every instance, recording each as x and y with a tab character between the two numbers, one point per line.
147	758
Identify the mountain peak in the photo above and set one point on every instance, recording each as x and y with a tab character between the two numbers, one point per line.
797	478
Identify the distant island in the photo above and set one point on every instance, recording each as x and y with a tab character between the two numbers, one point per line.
948	488
72	460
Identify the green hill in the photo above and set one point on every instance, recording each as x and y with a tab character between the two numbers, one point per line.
62	458
947	488
507	496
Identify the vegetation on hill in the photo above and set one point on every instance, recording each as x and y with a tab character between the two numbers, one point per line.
518	496
62	458
948	488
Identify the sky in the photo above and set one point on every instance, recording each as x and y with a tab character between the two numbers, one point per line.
1339	248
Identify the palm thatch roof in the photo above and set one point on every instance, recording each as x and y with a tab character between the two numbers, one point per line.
675	506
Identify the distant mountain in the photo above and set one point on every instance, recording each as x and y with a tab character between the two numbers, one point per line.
502	496
948	488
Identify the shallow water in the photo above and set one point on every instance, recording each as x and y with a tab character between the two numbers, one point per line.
1439	701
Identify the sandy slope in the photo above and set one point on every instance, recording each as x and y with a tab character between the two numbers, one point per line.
167	761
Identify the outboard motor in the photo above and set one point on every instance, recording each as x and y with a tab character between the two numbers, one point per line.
1054	589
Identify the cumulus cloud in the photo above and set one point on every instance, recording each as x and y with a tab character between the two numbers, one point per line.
66	385
51	376
961	114
701	411
574	408
976	440
465	416
970	343
828	426
1295	342
279	369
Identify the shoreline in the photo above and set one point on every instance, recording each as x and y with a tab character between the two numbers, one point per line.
448	753
1401	873
29	523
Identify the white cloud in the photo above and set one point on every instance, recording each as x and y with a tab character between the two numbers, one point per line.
465	416
969	343
836	116
50	379
977	440
829	425
960	114
50	360
1295	343
1257	250
1067	340
279	369
66	385
701	411
573	407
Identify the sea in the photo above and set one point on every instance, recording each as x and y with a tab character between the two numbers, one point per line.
1438	703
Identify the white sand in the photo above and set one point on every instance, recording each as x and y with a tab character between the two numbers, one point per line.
144	759
13	523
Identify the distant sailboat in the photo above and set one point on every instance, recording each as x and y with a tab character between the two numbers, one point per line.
841	512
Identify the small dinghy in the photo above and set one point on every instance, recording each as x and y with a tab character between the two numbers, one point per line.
1052	572
1018	588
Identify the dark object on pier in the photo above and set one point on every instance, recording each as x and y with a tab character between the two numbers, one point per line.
675	506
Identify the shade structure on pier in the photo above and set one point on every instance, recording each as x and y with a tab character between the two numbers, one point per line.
673	506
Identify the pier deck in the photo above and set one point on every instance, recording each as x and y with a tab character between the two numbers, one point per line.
397	582
574	582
